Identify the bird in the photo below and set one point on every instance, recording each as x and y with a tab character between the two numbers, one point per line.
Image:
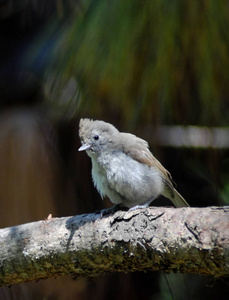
123	167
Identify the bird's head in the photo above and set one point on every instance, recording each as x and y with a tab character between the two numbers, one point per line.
96	136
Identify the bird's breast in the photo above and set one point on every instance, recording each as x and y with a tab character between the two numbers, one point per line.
125	180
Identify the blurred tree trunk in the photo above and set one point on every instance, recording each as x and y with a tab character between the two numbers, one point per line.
187	240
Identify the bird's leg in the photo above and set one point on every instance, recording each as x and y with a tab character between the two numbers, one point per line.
145	205
111	210
139	206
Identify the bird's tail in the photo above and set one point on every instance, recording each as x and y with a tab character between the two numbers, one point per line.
175	197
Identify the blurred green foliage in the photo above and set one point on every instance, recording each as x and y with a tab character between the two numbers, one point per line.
154	61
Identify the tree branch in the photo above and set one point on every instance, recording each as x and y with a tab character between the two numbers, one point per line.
188	240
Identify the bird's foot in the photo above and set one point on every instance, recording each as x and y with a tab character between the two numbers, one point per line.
139	206
110	210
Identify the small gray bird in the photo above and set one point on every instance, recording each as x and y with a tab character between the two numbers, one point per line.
123	168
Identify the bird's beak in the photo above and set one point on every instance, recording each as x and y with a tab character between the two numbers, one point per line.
84	147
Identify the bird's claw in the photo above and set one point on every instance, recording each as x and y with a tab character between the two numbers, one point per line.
110	210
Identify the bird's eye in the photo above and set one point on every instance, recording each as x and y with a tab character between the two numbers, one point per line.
96	137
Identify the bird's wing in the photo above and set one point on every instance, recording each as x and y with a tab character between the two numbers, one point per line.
138	149
146	157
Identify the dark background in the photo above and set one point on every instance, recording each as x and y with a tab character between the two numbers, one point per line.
138	65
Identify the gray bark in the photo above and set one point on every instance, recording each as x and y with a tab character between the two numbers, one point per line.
188	240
